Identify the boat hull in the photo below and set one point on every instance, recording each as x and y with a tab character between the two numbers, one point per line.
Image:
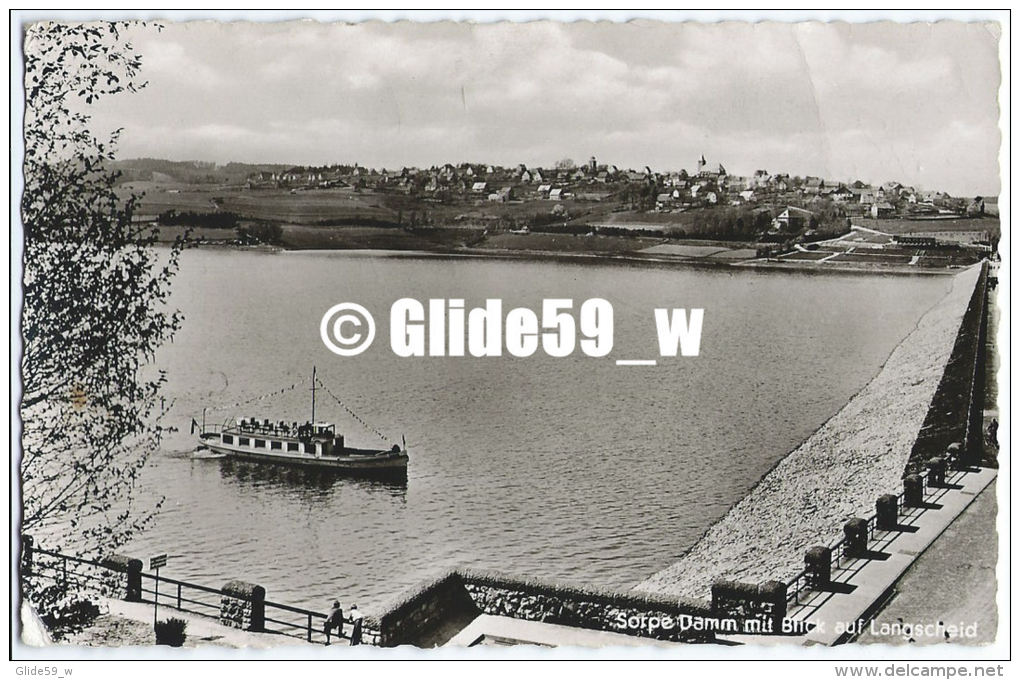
384	462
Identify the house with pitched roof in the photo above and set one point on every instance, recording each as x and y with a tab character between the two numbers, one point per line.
882	209
813	185
794	219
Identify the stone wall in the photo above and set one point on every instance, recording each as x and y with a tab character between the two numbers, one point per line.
129	586
953	416
465	593
417	612
763	603
243	605
585	607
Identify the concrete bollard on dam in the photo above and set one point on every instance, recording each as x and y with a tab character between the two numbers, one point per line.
887	512
855	536
913	491
772	595
954	456
818	565
937	472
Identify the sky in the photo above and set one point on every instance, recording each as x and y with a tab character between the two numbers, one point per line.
915	103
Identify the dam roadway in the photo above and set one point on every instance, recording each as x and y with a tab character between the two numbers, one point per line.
837	474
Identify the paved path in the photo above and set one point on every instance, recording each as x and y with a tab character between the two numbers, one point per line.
861	586
871	231
954	581
842	252
872	579
202	629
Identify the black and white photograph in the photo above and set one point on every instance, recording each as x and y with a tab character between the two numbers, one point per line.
392	335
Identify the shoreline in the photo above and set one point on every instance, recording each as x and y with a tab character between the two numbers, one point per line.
630	258
834	474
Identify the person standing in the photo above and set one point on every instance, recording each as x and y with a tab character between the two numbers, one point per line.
356	620
335	619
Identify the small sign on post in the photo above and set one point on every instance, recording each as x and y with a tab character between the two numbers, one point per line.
155	563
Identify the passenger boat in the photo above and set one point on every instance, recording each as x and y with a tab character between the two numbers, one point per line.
313	444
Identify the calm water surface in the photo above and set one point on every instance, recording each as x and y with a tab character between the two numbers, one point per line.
573	469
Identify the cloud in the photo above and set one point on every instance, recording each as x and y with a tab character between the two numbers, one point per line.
845	100
167	59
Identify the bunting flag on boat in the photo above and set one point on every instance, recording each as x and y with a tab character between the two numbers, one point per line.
351	413
261	397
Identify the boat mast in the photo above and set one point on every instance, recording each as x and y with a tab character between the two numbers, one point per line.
313	395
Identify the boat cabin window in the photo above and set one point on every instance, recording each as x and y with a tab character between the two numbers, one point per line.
276	445
260	443
243	441
309	447
228	439
293	446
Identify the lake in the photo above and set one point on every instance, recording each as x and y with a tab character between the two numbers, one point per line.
570	468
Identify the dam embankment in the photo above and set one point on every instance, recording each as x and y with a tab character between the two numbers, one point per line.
857	455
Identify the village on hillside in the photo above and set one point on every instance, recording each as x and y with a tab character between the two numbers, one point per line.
573	208
708	185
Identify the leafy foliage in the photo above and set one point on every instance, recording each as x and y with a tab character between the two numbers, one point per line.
63	613
95	294
171	632
731	223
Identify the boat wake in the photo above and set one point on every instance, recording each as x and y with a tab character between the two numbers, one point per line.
206	454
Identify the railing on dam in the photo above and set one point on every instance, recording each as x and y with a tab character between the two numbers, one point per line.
236	604
806	579
969	355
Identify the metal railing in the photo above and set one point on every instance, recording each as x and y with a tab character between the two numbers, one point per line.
873	525
69	571
837	547
799	583
72	572
307	629
176	597
308	625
